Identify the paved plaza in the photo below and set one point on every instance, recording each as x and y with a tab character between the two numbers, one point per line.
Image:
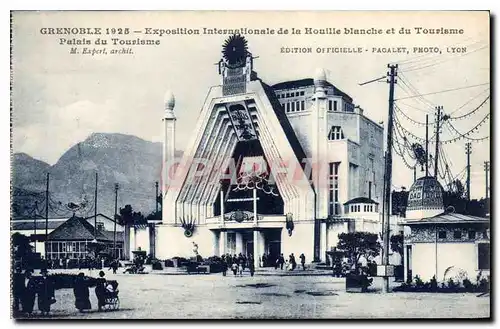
266	295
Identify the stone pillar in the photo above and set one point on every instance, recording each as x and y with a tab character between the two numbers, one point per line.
324	242
216	243
256	248
168	213
132	242
222	242
239	243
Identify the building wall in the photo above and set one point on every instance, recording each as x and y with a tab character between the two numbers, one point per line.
301	241
171	242
460	255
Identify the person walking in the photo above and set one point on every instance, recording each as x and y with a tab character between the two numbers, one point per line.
100	291
293	262
281	261
251	266
28	293
303	261
17	290
81	291
45	293
224	265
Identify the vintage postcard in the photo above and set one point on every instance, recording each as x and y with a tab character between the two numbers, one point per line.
250	165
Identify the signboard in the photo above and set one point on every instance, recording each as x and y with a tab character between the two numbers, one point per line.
234	81
241	121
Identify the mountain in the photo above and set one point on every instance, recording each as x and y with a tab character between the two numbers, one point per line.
131	162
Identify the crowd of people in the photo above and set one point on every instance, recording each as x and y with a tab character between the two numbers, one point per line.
280	262
28	288
239	263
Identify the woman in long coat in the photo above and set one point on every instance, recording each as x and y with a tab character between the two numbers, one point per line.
81	291
45	293
100	291
28	293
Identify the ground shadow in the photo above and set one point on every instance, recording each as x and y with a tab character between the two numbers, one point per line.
274	294
256	285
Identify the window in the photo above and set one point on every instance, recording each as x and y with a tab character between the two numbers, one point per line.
457	234
302	93
335	133
442	234
335	106
302	105
293	106
288	107
287	94
472	235
483	256
364	208
330	105
333	178
100	226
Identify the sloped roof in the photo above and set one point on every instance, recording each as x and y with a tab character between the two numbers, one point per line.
77	228
361	200
448	218
292	84
120	236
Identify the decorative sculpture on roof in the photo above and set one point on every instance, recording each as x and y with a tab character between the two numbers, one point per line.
235	51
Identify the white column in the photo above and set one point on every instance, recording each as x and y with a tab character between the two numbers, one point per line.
132	242
239	243
222	242
221	206
168	213
216	243
254	206
256	248
323	242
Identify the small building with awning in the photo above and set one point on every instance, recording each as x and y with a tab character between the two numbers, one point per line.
73	240
442	243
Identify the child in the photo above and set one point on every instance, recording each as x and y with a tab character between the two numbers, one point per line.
240	269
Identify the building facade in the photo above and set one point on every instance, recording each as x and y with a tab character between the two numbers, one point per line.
269	169
443	244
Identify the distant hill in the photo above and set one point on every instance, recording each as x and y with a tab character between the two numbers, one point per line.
130	161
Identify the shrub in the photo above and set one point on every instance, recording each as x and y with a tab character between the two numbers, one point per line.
433	285
418	282
452	285
484	285
468	286
156	265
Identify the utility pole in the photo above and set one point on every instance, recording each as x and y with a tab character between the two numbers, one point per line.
426	145
46	214
34	220
486	171
436	153
156	196
153	235
468	151
95	208
114	230
388	178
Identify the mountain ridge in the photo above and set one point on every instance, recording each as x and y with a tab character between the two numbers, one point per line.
128	160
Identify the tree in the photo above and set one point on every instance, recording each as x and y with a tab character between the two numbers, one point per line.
359	244
397	244
154	216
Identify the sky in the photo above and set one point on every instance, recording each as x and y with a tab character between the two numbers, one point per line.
59	98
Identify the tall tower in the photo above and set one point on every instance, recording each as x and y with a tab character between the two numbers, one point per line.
168	144
319	165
